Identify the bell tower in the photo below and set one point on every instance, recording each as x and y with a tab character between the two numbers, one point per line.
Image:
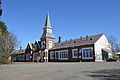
47	38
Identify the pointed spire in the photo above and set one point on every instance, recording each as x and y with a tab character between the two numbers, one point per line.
47	23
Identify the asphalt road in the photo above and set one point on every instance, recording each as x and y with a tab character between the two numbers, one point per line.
61	71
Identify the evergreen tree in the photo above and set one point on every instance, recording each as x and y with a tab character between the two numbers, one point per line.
3	28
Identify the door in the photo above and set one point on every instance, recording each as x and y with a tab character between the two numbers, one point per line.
104	55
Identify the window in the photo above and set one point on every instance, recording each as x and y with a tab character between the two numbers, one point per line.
63	55
49	30
39	45
43	44
87	53
51	54
50	44
75	53
56	54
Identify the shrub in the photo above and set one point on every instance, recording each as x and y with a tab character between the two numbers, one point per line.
112	59
4	61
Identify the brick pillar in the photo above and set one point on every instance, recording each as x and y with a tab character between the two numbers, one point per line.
38	59
46	55
10	58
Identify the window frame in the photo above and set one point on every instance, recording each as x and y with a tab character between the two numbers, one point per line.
42	44
52	53
63	55
73	53
86	53
50	44
55	54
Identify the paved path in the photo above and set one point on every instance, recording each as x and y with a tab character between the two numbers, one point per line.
61	71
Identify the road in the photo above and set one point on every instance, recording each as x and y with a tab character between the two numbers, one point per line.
61	71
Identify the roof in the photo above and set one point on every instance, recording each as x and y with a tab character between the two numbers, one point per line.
118	53
20	51
47	35
47	26
30	45
47	23
88	40
107	50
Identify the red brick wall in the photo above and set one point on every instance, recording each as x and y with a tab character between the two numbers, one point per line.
70	59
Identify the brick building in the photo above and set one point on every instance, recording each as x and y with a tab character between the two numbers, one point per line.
89	48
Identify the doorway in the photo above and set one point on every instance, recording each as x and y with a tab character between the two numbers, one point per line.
104	55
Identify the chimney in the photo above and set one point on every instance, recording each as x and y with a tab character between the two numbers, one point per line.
80	37
86	37
70	40
59	39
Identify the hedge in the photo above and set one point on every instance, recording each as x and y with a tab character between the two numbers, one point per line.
4	61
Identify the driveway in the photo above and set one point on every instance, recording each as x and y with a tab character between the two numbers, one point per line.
61	71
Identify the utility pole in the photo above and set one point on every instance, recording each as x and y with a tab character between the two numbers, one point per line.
0	8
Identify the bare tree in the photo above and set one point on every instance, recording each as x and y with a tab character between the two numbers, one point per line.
8	41
115	45
8	44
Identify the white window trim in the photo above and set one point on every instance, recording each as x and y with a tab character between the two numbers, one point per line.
55	55
87	57
43	46
63	58
49	30
80	53
50	44
73	53
51	54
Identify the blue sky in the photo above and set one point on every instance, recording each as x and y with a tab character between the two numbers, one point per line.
69	18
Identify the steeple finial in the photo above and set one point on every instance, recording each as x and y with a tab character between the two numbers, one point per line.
47	23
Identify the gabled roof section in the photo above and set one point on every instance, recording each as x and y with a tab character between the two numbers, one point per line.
88	40
47	23
22	51
30	45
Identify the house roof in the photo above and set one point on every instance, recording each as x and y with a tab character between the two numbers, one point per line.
30	44
78	42
20	51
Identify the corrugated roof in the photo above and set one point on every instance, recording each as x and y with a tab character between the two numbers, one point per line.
78	42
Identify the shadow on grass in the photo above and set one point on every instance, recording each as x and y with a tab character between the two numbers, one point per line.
113	74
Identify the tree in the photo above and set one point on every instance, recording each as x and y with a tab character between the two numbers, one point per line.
3	28
115	44
8	41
